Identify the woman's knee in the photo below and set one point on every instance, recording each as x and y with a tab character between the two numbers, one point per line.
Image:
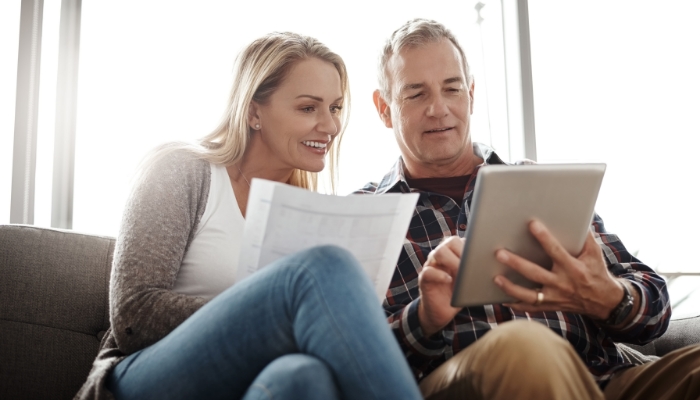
294	376
331	254
331	260
303	367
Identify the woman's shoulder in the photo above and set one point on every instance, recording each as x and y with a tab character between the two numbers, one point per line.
172	171
178	154
175	160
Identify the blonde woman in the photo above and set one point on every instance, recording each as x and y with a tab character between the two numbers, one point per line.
308	326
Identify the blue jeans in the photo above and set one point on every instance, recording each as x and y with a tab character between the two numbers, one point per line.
306	326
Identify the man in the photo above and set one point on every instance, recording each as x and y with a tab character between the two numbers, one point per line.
586	303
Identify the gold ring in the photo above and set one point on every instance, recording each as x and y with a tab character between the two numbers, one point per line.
540	297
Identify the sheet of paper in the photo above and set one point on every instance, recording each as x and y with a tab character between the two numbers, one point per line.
283	219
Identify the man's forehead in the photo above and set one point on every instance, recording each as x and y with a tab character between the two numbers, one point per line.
431	61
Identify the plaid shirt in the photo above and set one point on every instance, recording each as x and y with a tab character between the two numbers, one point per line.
438	216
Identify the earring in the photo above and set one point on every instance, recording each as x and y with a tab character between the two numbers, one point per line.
257	127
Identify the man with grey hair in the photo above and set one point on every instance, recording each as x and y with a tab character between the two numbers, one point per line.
557	342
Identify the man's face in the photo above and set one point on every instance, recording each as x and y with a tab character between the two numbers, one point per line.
429	109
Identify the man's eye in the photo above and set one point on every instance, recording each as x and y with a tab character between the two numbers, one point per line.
415	96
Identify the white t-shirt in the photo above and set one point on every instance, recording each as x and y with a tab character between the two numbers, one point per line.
211	261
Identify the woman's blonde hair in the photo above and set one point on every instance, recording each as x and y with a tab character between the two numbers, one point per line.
260	69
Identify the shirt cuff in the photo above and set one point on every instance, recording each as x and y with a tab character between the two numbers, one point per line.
411	330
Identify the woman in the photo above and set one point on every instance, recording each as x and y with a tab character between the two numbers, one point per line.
307	326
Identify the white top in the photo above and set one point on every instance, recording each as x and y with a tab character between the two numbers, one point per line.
210	264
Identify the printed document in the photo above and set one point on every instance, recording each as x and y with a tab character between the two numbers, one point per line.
283	219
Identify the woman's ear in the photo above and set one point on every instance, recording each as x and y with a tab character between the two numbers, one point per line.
383	108
254	116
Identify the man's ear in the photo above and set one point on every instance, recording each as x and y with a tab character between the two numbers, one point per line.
254	116
383	108
471	98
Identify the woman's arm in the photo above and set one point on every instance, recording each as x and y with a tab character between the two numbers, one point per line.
158	225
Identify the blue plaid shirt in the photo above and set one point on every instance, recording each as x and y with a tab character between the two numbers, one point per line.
437	216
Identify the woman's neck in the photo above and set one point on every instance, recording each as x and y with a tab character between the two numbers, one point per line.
257	162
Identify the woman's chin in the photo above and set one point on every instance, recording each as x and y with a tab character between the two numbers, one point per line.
311	167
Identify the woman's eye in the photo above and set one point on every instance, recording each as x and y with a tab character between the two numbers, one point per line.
307	109
336	109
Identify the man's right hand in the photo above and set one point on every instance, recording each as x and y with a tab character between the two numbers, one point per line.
436	283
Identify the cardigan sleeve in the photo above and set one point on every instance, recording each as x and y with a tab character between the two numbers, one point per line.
159	222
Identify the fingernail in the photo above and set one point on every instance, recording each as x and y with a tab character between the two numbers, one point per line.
498	281
536	226
501	256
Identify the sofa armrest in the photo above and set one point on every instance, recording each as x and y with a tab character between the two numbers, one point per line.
53	309
680	333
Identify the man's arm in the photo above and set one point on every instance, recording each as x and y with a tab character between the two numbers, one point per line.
418	325
436	284
651	314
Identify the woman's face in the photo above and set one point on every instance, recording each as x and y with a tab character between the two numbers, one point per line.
302	117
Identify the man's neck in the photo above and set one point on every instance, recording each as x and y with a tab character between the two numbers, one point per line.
465	165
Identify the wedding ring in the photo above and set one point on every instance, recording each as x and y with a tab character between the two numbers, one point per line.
540	297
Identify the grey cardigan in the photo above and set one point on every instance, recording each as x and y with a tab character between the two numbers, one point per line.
158	225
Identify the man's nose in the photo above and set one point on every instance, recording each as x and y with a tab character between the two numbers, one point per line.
438	107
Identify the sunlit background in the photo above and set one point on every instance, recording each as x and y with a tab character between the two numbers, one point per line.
614	82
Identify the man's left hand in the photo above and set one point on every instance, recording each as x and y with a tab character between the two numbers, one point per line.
579	284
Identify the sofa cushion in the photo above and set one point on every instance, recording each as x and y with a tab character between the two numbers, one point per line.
43	362
681	332
53	309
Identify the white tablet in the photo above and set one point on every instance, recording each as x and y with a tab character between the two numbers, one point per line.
506	198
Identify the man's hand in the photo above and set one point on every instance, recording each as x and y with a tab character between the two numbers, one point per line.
581	285
436	283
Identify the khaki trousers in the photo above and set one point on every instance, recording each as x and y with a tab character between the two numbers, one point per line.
527	360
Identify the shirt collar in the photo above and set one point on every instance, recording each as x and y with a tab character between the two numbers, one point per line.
395	179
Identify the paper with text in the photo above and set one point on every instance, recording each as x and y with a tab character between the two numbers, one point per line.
283	219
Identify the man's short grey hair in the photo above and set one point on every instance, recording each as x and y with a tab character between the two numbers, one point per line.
415	32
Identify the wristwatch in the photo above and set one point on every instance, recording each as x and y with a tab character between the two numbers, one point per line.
622	310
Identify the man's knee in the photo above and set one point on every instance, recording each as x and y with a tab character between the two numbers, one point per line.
523	339
520	359
518	342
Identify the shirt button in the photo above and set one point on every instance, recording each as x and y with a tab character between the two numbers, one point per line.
462	227
129	331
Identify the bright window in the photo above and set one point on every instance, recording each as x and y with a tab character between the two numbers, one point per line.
163	73
9	45
617	82
46	125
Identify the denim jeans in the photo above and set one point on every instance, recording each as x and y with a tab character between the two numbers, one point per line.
306	326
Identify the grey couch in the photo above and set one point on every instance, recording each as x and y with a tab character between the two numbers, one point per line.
53	311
